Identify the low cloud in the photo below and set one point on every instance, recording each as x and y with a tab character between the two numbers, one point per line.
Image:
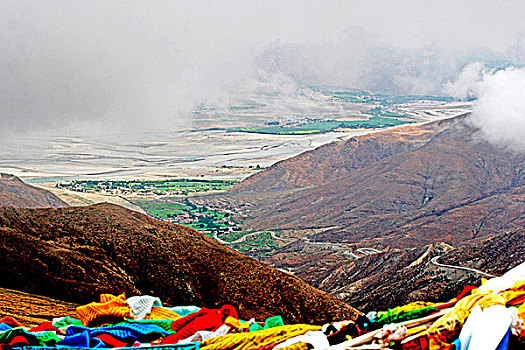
93	67
499	110
466	85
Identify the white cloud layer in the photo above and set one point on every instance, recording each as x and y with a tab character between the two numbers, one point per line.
136	65
499	109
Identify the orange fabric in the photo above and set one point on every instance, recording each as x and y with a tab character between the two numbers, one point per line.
161	313
416	343
108	305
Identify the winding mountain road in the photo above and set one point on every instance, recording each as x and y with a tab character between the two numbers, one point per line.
364	251
435	262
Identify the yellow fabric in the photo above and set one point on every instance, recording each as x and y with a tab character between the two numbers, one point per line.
521	312
108	305
520	285
416	305
458	315
161	313
452	320
241	341
415	330
233	322
297	346
516	294
491	300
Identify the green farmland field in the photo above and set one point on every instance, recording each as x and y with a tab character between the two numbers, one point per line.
325	126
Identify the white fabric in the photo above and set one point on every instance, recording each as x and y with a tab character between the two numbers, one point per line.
498	284
516	325
469	327
487	328
315	338
141	305
205	335
199	336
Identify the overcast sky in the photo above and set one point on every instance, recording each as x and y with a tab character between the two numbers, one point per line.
133	63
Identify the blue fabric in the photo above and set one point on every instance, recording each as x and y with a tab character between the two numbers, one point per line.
4	327
184	310
121	330
504	343
187	346
79	336
457	343
81	340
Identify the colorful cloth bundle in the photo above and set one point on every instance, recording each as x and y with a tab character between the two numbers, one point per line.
489	317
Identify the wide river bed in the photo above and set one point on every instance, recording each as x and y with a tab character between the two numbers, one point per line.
187	153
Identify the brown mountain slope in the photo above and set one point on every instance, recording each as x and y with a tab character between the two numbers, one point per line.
76	253
15	193
449	185
338	159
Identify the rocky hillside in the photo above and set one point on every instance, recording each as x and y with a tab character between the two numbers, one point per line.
399	276
15	193
337	160
74	254
413	186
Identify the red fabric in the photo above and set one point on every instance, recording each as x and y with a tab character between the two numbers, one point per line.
419	343
111	340
446	305
19	341
46	326
203	320
466	291
183	322
10	321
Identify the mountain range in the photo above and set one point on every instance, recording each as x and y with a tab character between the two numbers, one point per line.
414	185
415	194
429	199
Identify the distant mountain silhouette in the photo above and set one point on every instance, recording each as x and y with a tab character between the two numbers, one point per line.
14	192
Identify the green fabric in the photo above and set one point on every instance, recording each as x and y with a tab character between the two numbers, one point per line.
275	321
67	321
47	337
396	315
271	322
254	327
164	324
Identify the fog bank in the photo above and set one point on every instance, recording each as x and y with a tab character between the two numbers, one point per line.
99	67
